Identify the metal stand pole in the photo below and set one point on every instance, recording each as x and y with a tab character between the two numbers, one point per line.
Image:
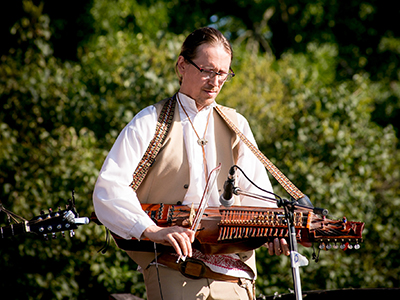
296	259
294	255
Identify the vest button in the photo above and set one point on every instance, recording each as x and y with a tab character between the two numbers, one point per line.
186	186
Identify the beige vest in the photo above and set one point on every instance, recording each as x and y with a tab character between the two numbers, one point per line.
170	171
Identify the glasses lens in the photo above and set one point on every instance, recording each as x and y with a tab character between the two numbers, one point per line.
208	74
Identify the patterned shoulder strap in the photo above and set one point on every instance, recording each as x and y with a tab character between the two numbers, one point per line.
163	124
278	175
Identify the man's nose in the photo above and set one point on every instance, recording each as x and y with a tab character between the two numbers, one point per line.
214	80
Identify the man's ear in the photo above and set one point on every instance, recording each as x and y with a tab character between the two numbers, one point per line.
182	65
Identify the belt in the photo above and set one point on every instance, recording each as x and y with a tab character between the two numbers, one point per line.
193	268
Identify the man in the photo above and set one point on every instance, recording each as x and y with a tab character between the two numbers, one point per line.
197	141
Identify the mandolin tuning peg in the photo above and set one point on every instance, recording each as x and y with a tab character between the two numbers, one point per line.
335	246
328	247
63	234
46	238
71	233
357	246
53	235
350	246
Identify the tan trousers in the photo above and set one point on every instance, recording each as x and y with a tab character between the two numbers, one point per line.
175	286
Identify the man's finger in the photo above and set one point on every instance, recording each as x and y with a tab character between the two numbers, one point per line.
285	247
271	248
175	244
277	247
182	241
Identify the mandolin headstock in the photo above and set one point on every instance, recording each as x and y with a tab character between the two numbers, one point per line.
47	224
334	234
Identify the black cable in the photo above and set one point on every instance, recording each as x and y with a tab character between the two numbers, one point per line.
261	189
158	274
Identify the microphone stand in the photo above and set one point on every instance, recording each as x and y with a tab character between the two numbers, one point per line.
289	208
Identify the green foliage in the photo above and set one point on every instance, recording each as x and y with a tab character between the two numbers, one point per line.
48	150
320	133
126	66
58	120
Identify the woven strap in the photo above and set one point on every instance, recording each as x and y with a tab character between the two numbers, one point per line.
163	124
278	175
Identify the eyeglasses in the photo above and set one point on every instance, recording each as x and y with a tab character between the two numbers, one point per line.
209	74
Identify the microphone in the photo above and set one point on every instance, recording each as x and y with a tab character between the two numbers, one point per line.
226	199
305	201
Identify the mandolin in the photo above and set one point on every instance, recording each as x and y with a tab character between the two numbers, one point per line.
243	228
46	224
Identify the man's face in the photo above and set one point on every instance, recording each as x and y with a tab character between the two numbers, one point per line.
194	84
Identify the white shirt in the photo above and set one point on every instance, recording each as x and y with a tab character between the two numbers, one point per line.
117	205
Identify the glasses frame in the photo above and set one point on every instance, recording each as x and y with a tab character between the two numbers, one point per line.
211	73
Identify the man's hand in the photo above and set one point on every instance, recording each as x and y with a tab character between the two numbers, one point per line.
178	237
281	246
278	247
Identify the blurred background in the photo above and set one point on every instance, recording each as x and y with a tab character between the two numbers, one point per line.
318	81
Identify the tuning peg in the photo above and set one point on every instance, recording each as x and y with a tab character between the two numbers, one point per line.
71	233
63	234
48	215
45	237
53	235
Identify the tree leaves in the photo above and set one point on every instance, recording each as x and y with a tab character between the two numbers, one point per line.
58	119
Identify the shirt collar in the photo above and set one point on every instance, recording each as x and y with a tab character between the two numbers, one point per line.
190	104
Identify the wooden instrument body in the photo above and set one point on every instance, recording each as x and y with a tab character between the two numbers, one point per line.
243	228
